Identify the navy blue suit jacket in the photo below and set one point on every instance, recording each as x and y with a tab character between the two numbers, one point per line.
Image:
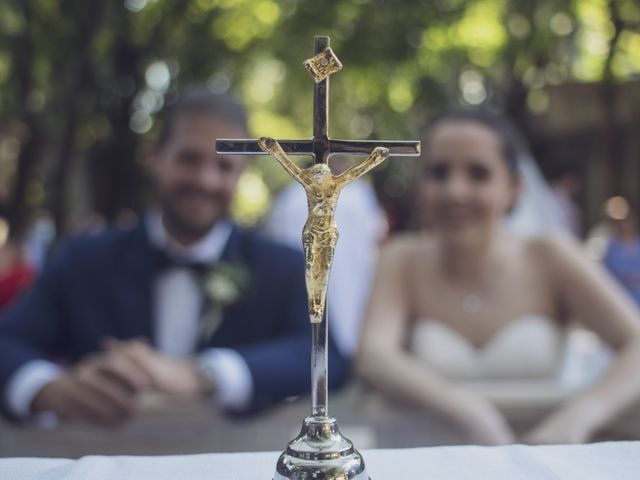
101	285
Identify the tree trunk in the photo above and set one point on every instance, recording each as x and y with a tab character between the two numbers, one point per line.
30	151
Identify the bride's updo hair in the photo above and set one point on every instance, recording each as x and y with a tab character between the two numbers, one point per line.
511	141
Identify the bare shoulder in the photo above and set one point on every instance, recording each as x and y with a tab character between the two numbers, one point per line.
552	245
556	251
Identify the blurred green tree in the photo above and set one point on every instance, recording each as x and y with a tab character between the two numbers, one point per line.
82	82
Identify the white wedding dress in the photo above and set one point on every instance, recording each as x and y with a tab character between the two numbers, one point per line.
530	347
524	365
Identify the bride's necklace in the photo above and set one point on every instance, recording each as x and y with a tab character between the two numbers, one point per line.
472	303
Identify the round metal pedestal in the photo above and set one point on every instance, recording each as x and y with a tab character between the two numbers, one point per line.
320	452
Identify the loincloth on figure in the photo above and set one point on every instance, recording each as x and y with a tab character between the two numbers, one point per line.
319	246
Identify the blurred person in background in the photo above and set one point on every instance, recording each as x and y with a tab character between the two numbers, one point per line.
183	303
622	255
599	235
362	226
469	302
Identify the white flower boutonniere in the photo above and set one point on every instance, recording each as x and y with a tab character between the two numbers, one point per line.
223	287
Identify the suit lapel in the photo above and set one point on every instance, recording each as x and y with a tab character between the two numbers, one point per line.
136	278
235	252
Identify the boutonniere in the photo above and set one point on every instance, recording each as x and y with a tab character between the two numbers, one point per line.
224	285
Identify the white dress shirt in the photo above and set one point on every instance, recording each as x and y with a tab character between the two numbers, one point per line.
178	299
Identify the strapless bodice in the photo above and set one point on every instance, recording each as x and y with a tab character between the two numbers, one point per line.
530	347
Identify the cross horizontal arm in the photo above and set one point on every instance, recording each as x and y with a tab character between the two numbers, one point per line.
305	147
252	147
365	147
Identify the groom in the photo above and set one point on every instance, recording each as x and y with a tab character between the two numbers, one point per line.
184	303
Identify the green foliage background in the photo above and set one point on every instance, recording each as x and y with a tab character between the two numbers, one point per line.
82	82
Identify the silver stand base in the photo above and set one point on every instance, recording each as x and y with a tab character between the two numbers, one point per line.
320	452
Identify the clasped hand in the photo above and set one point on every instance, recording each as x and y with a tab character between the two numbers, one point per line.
105	388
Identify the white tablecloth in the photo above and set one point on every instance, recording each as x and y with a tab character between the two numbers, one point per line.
607	461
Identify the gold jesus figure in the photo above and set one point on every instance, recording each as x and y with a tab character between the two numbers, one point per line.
320	234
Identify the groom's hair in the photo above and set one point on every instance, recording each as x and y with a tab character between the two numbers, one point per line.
197	100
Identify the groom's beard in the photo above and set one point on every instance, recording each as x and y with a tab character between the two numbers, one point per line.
189	228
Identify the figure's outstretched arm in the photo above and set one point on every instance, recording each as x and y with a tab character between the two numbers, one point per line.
271	146
379	155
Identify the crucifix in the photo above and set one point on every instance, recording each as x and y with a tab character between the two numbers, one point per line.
315	452
320	236
321	148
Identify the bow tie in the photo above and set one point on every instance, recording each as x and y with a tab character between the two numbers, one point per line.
210	318
164	261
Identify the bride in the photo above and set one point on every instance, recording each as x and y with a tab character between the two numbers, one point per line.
471	301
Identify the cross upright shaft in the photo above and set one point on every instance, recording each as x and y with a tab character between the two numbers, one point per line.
321	143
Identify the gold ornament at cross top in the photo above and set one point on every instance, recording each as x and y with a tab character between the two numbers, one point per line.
323	64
